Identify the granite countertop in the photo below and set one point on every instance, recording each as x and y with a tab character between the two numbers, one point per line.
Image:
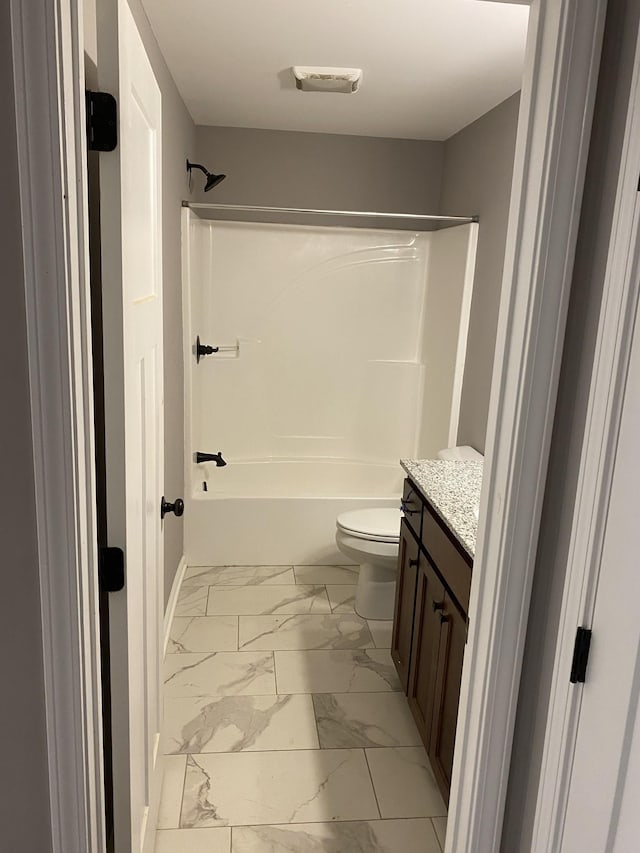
452	487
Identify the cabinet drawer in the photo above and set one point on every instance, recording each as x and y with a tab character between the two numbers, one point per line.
453	566
412	503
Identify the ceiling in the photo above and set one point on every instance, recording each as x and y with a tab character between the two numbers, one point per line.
430	67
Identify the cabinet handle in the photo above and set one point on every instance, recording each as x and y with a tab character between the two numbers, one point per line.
414	563
444	617
437	605
404	506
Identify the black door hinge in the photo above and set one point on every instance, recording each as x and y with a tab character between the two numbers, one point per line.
102	121
111	569
580	655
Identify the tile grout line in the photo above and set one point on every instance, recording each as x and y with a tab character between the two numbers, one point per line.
373	784
184	785
275	674
301	749
315	719
436	834
326	592
337	821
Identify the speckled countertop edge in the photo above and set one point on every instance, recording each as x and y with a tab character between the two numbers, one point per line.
452	487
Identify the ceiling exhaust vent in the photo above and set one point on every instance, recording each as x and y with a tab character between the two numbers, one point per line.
342	80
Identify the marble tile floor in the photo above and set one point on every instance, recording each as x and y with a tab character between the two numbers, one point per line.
284	725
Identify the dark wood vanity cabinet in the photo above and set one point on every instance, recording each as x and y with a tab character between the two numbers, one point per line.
429	633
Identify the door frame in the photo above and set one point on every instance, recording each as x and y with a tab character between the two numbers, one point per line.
48	60
553	136
554	128
616	328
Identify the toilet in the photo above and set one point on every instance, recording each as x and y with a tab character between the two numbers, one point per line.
371	537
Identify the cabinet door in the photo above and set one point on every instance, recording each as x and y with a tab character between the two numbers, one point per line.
453	636
405	603
426	641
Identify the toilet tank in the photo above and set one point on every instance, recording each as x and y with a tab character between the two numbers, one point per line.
464	452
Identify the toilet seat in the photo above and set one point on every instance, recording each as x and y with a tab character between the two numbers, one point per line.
379	524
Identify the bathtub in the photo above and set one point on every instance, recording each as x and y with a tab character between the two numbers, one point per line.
279	512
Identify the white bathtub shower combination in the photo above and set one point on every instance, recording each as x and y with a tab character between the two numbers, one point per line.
345	352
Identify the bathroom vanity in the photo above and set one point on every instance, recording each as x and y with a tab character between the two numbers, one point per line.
435	562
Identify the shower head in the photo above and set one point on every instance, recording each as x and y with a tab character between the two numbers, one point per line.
212	180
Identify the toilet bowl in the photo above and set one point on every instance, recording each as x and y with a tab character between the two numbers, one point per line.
370	538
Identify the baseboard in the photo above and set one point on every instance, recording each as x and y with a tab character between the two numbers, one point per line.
173	600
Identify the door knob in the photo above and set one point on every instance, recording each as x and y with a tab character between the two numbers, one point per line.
176	507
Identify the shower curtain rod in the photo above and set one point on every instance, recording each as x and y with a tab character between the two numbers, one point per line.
420	219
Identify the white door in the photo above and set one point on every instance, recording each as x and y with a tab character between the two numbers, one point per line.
603	811
132	304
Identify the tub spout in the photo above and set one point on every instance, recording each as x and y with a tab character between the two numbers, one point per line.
210	457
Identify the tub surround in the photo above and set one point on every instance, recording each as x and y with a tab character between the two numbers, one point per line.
301	446
452	487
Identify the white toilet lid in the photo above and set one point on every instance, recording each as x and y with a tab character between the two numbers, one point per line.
380	524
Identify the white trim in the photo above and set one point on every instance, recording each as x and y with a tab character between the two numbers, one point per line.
173	601
613	347
558	94
47	46
463	334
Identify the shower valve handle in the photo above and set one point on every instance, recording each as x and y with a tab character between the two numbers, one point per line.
203	349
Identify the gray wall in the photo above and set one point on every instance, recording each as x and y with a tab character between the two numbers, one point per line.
317	170
478	166
178	141
584	309
24	804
